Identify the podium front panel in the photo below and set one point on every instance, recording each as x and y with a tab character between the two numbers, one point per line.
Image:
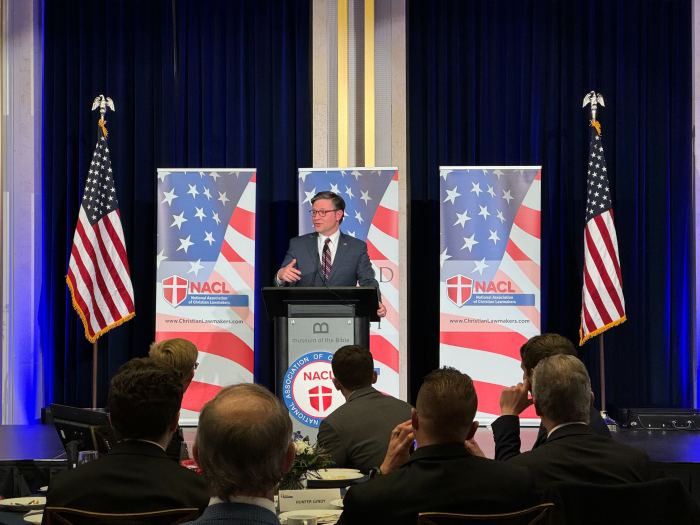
307	386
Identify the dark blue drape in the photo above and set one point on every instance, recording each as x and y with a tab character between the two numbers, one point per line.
495	82
196	84
226	84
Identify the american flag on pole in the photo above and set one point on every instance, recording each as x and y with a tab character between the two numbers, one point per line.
372	215
603	304
489	274
98	269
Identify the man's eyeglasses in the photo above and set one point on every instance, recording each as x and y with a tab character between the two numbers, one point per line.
196	365
321	213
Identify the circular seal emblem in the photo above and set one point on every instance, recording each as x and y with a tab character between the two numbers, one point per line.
308	389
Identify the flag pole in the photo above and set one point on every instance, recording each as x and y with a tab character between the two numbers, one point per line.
596	99
601	350
94	375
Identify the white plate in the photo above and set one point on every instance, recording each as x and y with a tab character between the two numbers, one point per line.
23	504
34	518
324	516
337	503
335	474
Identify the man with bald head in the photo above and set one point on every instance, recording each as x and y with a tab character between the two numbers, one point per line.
441	475
244	447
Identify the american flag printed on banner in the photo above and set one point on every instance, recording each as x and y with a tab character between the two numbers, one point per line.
205	274
602	303
372	215
489	274
98	269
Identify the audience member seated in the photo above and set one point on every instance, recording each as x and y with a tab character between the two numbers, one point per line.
441	475
572	452
356	434
182	355
136	475
506	428
244	448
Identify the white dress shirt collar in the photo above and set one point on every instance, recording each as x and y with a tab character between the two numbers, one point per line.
564	425
249	500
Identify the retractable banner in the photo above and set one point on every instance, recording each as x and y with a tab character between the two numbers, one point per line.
372	215
205	274
489	275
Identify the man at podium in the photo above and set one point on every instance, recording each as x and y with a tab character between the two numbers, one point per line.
327	257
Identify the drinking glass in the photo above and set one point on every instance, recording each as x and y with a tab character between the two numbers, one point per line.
86	456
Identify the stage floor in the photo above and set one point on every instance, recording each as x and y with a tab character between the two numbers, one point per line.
25	442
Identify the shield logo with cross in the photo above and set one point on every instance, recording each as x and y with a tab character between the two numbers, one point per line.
175	289
320	398
459	289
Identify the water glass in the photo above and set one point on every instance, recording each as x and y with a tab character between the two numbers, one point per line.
86	456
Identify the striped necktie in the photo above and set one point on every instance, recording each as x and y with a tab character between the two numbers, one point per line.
326	260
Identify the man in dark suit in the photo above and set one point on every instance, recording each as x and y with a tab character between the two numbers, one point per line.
356	434
515	399
572	452
244	447
136	475
327	257
441	475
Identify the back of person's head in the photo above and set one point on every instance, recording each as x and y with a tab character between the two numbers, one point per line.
542	346
243	440
144	399
446	405
181	354
561	389
353	367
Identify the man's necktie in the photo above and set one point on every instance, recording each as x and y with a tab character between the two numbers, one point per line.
326	260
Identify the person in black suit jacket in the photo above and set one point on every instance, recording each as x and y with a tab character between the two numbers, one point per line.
356	434
244	447
327	257
572	452
515	399
441	475
136	475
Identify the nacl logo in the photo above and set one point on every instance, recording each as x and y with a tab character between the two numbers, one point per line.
308	389
176	289
459	289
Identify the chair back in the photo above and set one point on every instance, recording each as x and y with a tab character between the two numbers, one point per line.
647	503
67	516
536	515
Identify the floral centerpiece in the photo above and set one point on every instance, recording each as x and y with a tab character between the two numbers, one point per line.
308	458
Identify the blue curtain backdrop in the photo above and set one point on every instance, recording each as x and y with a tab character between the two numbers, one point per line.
207	83
495	82
195	83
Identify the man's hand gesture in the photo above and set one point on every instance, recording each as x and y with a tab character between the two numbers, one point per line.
399	447
289	274
515	399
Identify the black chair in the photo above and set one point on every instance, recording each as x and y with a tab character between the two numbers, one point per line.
663	501
536	515
68	516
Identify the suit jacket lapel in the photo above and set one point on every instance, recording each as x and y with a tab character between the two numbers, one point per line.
312	246
339	256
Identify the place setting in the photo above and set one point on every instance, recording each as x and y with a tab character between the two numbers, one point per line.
32	505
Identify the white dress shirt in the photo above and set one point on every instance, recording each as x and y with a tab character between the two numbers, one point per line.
332	246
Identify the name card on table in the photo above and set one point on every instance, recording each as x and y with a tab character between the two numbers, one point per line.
308	499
